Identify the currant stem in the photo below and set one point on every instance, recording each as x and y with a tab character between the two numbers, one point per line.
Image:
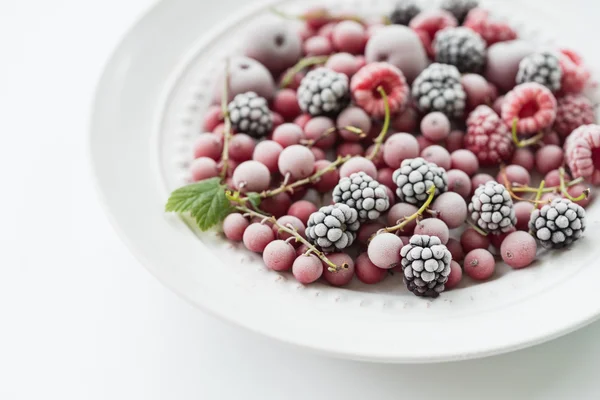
227	125
353	129
476	228
563	188
527	142
332	267
304	63
386	125
540	190
419	213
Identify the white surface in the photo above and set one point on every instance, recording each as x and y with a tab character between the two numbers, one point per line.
81	319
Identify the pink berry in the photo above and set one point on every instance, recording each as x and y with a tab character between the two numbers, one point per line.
479	264
275	43
471	240
307	269
390	194
514	174
286	104
424	142
317	46
459	182
480	179
437	155
552	178
518	249
350	149
450	208
257	236
344	63
327	30
286	220
399	147
433	227
267	152
455	275
276	205
435	126
328	180
288	134
277	120
208	145
523	211
454	141
406	121
241	147
496	240
477	90
316	17
551	138
315	129
355	117
296	160
349	36
318	153
577	190
203	168
523	157
343	276
455	249
465	160
302	210
367	272
548	158
503	62
532	104
378	159
251	176
305	31
385	177
400	211
365	86
367	230
358	164
234	226
279	255
384	250
245	75
547	198
231	167
212	118
497	106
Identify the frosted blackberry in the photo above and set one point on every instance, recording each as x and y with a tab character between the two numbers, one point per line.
492	208
438	88
415	177
364	194
459	8
543	68
250	114
333	227
426	265
461	47
323	92
404	11
558	224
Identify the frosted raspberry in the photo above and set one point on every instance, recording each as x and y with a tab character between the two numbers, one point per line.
573	111
428	23
488	137
365	83
491	30
575	73
582	152
532	104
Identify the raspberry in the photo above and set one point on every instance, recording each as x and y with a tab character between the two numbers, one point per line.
582	152
491	30
428	23
365	83
532	104
572	111
460	47
542	68
574	72
438	88
488	137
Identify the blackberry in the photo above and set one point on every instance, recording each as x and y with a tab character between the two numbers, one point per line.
333	227
459	8
543	68
250	114
415	177
558	224
323	92
460	47
492	208
438	88
404	11
364	194
426	265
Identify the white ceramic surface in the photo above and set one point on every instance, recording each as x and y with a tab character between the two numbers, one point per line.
148	109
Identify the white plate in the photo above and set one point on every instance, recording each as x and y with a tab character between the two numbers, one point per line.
149	106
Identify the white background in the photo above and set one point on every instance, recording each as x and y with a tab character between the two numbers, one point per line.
80	318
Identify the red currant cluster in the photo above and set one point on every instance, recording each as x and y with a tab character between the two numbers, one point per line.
393	118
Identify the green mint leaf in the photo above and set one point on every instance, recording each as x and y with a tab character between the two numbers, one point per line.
205	201
254	199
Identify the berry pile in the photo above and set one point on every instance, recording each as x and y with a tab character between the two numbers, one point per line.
387	125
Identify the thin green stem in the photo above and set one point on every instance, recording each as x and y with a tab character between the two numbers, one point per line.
227	125
405	221
386	125
565	192
527	142
353	129
302	64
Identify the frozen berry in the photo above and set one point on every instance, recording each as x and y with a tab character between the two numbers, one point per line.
435	126
203	168
323	92
384	176
548	158
407	121
234	226
316	129
328	180
459	182
479	264
438	155
460	47
471	240
429	23
317	46
358	164
327	30
541	67
455	140
552	178
400	211
251	176
438	88
286	104
451	209
297	161
344	275
279	255
267	153
353	117
480	179
377	159
344	63
514	174
490	29
367	272
257	236
532	105
577	190
523	210
276	205
404	11
518	249
384	250
285	221
245	75
455	249
459	8
497	240
503	61
572	111
523	157
350	149
575	73
582	152
423	142
464	160
307	268
212	118
433	227
399	147
241	147
477	90
488	137
349	36
208	145
288	134
455	275
302	210
367	82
